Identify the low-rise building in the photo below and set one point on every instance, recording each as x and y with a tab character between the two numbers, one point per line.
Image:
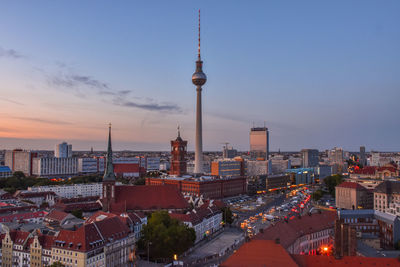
353	196
205	220
37	198
387	197
71	191
207	186
5	172
384	226
302	235
301	175
276	182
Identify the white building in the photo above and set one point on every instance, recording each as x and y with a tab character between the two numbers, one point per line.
63	150
205	220
71	191
91	165
54	167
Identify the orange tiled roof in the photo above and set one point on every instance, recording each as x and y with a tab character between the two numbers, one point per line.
263	253
322	261
297	227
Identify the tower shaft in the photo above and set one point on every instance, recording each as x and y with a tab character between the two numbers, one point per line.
198	157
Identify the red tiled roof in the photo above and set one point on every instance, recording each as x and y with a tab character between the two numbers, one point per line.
20	194
56	215
85	207
371	170
197	216
297	227
260	253
323	261
146	197
91	236
352	185
366	170
126	167
79	199
22	216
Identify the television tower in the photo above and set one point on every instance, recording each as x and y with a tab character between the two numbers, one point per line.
199	79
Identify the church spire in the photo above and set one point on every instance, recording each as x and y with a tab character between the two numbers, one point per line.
109	172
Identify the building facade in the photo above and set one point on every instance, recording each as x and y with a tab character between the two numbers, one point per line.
63	150
55	167
208	187
226	168
178	156
310	158
20	160
387	197
353	196
259	143
71	191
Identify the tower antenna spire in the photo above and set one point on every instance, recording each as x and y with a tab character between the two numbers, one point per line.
199	38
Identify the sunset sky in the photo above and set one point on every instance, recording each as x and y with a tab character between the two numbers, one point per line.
320	74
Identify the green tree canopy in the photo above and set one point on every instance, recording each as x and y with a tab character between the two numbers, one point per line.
227	215
57	264
165	236
77	214
332	181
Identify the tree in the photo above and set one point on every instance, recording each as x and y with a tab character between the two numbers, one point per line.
317	195
227	215
164	236
332	181
77	214
140	181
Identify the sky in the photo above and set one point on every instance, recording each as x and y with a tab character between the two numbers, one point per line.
320	74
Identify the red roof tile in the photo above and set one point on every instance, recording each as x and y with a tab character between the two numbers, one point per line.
126	168
293	229
323	261
352	185
56	215
92	235
148	198
260	253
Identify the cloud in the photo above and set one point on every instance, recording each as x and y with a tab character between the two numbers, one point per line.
78	81
172	108
10	101
10	53
47	121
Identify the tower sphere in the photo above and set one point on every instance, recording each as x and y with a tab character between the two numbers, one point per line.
199	78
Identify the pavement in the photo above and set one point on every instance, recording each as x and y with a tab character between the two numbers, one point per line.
213	250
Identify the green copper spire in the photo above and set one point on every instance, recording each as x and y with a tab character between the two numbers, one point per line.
109	172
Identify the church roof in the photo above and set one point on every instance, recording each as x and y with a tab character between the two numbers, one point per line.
148	197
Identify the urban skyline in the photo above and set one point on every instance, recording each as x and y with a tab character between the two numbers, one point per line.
308	97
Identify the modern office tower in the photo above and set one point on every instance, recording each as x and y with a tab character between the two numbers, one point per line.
228	152
199	79
259	143
310	158
178	156
363	158
336	156
20	160
63	150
